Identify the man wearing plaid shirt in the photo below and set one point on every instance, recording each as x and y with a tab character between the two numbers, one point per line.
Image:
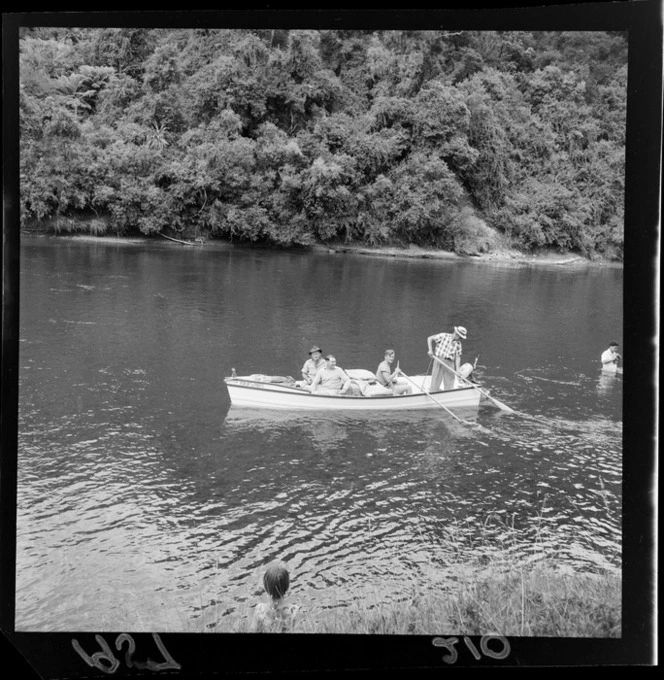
448	350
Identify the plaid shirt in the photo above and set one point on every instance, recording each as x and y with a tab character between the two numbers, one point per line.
446	348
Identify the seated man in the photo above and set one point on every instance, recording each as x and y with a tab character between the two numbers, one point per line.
389	378
331	379
311	368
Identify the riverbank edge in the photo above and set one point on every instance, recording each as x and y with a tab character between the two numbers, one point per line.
511	601
502	255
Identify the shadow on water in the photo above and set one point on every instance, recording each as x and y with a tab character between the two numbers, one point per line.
264	433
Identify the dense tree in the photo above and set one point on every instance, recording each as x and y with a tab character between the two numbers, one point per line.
450	139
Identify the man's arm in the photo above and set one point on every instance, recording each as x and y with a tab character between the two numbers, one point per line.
457	361
316	380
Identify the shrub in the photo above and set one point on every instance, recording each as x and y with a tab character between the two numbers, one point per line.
470	235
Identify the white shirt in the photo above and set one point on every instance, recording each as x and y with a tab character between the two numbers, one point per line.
274	617
609	363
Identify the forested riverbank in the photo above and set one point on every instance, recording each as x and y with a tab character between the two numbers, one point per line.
470	142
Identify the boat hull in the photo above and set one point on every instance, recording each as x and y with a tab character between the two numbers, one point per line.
249	393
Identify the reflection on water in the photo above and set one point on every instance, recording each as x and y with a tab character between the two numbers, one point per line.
608	383
145	501
330	428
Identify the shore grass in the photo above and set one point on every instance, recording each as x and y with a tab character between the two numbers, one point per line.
535	602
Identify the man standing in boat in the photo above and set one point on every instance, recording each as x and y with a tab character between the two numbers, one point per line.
448	351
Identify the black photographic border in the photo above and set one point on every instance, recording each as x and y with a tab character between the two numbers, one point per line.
51	655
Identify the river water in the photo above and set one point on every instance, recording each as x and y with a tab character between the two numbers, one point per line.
145	502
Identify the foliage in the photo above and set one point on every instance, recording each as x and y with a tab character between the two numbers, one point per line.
446	139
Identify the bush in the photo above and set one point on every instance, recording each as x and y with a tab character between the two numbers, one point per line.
470	235
75	225
378	137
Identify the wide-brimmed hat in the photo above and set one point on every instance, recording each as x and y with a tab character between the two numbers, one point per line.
315	348
461	332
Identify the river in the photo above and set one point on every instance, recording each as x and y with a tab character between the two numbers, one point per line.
145	502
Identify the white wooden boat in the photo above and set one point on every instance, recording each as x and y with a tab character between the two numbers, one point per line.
257	391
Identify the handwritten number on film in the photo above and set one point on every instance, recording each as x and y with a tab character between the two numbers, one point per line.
107	662
449	644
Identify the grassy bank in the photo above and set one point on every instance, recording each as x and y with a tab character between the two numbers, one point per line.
536	602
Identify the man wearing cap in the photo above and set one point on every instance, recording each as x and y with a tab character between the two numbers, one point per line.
448	350
610	358
312	366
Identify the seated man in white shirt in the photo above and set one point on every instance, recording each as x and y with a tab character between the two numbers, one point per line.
331	379
389	378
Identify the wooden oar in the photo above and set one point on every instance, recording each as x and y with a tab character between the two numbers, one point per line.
499	404
461	420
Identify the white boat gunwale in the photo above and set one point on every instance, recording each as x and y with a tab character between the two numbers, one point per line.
281	391
305	393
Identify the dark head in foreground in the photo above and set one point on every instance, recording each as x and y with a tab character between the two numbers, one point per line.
276	581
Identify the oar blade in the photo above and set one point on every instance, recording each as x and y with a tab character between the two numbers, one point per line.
503	407
498	403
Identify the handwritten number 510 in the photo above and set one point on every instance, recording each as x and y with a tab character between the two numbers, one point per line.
106	661
449	644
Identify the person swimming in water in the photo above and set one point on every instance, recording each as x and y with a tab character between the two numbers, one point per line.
610	358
